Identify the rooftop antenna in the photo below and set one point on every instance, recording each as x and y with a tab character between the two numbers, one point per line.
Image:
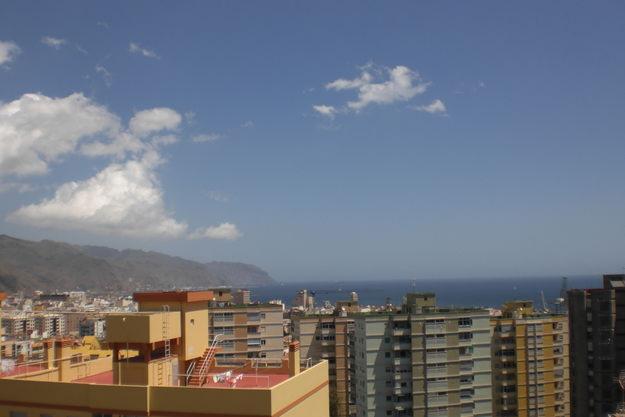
561	301
545	307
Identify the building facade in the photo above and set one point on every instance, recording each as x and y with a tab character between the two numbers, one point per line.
328	337
597	326
422	361
247	330
530	353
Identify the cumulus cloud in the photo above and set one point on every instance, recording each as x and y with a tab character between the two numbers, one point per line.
55	43
154	120
122	199
125	198
225	231
8	51
402	84
135	48
207	137
436	106
36	130
324	110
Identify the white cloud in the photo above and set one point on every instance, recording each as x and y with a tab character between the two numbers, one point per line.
437	106
122	199
154	120
55	43
8	51
164	140
36	130
106	75
135	48
402	85
120	144
328	111
207	137
226	231
247	124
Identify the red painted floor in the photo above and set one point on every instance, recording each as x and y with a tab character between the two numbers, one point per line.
22	369
103	378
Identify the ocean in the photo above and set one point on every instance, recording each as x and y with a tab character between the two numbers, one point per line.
466	292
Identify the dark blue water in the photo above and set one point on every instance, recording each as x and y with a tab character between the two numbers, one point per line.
483	292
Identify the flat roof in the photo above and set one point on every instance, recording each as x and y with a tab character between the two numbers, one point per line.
179	296
235	380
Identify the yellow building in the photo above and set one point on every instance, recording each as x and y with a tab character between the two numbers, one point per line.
173	372
530	362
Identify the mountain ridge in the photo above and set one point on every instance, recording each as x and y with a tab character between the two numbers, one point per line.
49	265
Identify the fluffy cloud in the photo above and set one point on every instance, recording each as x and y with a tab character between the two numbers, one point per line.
122	199
207	137
154	120
324	110
55	43
437	106
36	130
8	51
135	48
225	231
402	85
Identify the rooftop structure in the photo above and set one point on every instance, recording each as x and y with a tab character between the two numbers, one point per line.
143	375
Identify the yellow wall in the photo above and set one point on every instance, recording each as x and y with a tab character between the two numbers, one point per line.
305	395
141	327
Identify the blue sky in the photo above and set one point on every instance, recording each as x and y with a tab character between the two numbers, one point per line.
482	139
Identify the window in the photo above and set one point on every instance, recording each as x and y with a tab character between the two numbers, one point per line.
387	354
254	342
253	317
465	336
327	325
466	350
465	322
222	317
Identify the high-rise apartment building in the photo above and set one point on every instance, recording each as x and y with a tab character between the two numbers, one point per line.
247	330
422	361
597	326
530	356
328	337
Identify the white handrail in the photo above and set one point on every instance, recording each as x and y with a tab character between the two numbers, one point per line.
205	363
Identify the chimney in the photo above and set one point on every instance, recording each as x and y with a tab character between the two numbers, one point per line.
294	359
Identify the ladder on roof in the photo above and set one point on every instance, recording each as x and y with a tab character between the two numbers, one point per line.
160	368
165	324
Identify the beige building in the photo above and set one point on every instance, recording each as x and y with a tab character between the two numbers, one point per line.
144	375
530	352
247	330
328	337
